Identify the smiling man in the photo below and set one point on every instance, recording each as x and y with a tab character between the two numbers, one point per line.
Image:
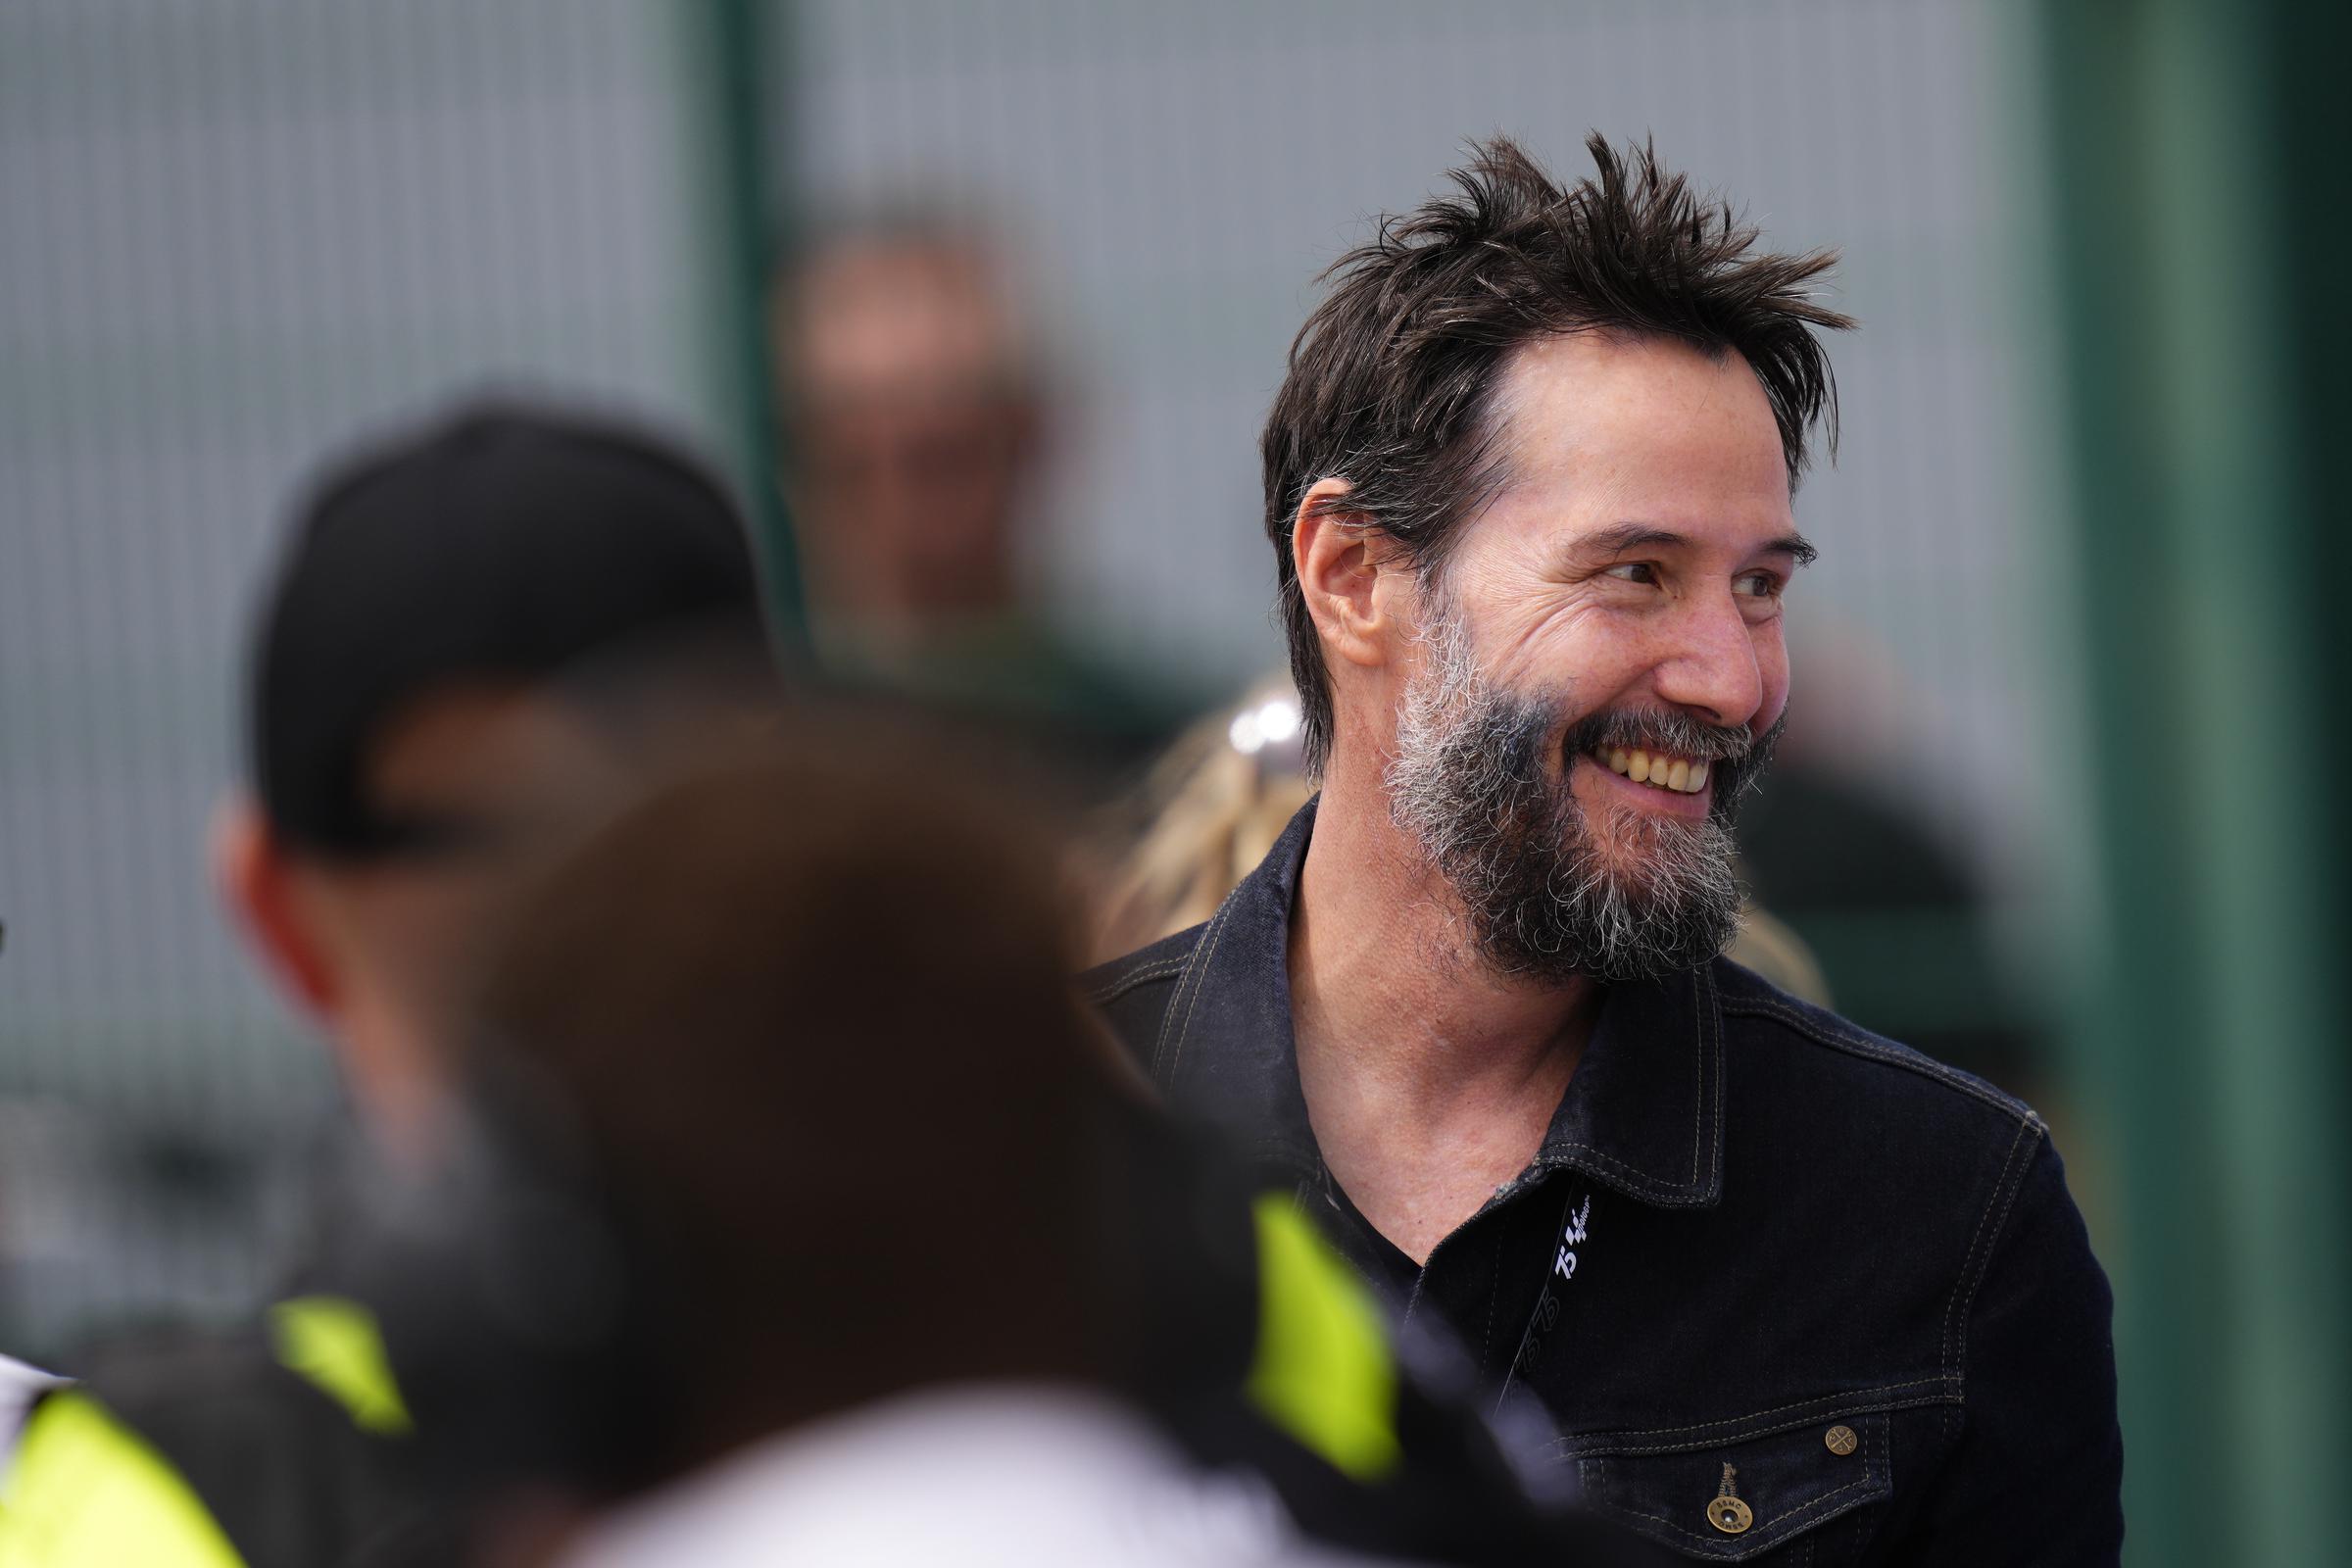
1791	1292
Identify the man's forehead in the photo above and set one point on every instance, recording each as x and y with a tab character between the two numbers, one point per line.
881	319
479	743
1599	430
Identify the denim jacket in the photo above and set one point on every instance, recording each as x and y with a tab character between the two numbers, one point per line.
1792	1294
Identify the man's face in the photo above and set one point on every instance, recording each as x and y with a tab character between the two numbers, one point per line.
917	432
501	774
1615	612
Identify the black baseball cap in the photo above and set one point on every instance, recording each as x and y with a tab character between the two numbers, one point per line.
504	542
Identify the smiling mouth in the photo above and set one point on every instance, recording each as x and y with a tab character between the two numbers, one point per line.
1665	771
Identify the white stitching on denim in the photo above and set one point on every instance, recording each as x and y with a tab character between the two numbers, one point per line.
1924	1066
1656	1184
1833	1401
1494	1290
1715	1150
1967	1263
1759	1544
1207	950
1698	1101
1761	1432
1120	985
1956	1356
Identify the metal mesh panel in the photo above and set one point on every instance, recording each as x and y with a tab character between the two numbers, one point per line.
236	236
1173	177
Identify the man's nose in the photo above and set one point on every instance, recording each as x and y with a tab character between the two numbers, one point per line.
1712	669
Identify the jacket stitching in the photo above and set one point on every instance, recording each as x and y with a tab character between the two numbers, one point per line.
1659	1185
1715	1150
1791	1516
1828	1402
1195	976
1918	1403
1924	1068
1698	1102
1494	1291
1120	985
1869	1477
1970	1269
1959	1352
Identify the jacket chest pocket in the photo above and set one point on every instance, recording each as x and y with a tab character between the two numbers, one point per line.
1737	1501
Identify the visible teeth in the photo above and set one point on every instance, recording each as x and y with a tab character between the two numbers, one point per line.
1681	775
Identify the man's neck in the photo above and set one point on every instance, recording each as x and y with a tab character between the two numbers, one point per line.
1430	1079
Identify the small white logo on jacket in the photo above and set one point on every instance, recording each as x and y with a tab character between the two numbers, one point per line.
1572	1237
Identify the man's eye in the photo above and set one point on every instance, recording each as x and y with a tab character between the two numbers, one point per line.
1633	572
1757	585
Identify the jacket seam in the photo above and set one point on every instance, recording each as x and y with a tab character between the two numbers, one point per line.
1868	1478
1195	967
1698	1101
1936	1072
1830	1401
1660	1188
1120	985
1715	1150
1974	1267
1602	1451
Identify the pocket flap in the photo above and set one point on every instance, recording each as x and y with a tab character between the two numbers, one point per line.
1782	1485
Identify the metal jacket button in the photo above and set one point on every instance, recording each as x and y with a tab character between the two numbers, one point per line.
1841	1440
1727	1512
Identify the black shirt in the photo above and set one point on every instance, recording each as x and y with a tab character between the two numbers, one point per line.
1761	1255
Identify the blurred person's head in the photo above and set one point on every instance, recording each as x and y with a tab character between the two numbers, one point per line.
1208	812
909	380
805	1018
1529	483
467	636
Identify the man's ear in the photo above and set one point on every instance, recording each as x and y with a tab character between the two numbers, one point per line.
261	887
1348	576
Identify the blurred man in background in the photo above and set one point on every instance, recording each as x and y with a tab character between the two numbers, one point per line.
1784	1284
918	406
477	634
411	743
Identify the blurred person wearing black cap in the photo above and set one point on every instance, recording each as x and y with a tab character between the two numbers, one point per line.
409	733
873	1250
478	631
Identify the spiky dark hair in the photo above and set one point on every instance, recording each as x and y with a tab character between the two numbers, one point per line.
1391	381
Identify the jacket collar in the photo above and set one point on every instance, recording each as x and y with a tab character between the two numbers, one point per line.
1644	1113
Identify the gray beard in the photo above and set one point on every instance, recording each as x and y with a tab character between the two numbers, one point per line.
1548	897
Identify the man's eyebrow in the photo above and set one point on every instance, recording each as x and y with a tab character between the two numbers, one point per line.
1628	536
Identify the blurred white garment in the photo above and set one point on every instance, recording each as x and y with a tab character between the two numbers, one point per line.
1009	1474
20	1386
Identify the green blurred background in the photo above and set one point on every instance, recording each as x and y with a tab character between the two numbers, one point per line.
2046	811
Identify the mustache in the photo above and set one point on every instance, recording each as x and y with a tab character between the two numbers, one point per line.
1657	729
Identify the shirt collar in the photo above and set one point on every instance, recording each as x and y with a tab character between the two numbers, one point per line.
1644	1113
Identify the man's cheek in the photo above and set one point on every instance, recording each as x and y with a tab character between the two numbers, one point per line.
1772	663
